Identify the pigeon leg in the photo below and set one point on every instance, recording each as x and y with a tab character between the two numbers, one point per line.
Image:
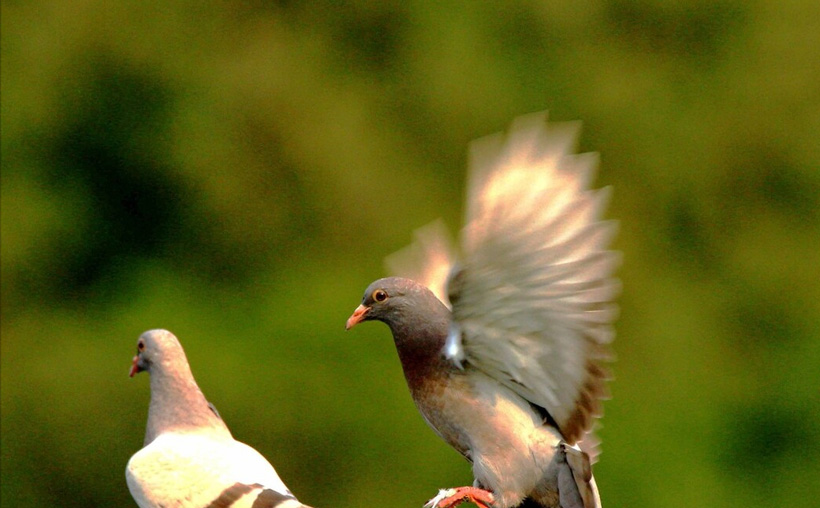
450	498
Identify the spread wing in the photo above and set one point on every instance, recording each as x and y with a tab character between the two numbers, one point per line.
533	296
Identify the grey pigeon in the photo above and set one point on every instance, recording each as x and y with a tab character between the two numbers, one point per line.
502	350
190	459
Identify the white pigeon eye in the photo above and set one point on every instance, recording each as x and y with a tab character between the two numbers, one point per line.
140	346
379	295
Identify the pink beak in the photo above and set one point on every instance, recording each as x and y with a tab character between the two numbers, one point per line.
356	317
134	367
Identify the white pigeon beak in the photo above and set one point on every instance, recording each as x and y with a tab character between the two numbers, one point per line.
134	366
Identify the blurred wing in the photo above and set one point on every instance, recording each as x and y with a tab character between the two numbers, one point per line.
533	297
428	260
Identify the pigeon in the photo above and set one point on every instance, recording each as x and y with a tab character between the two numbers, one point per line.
504	347
189	458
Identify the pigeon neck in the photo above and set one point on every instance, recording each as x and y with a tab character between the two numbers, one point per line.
177	403
419	341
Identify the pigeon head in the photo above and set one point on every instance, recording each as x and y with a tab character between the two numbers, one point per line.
154	347
400	303
385	300
176	400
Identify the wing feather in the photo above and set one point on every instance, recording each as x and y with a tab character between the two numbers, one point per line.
533	295
428	260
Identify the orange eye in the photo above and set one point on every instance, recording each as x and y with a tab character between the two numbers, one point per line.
379	295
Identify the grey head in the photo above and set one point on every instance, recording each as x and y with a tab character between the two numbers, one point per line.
418	320
402	304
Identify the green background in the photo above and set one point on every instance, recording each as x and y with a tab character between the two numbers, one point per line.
237	171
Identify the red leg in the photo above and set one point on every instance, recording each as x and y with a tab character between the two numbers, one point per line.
451	498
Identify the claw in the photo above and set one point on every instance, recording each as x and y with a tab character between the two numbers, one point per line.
442	494
450	498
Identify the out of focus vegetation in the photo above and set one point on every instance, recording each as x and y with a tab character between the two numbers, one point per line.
236	172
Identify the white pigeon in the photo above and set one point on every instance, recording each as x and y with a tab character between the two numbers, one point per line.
190	459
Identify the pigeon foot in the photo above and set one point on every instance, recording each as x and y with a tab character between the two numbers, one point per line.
450	498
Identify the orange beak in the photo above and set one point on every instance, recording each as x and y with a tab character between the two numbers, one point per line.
134	367
357	316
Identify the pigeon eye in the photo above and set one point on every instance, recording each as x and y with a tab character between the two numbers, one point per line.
140	346
379	295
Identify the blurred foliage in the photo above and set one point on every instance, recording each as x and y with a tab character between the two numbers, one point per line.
236	172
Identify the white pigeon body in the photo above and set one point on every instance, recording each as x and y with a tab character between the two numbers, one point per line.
190	459
502	345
